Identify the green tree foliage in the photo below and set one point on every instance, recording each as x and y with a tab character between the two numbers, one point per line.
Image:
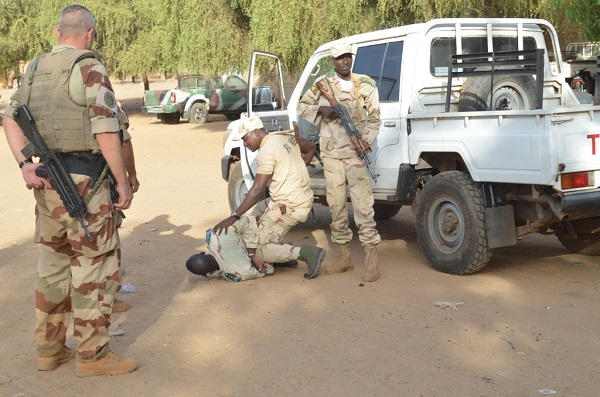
584	13
179	36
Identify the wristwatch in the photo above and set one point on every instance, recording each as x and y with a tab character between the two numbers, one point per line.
235	215
22	163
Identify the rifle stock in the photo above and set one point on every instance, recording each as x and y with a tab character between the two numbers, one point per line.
61	181
325	90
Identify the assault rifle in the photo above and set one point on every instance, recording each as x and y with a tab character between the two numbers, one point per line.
353	133
59	178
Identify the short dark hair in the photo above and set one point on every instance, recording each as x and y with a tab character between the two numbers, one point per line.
75	20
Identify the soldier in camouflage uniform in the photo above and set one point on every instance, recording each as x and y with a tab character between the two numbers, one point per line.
72	101
341	162
281	166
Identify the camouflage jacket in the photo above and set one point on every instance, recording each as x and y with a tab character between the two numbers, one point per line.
362	103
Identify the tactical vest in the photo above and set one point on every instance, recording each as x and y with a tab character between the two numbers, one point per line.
64	124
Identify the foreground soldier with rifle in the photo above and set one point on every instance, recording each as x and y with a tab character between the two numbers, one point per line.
72	103
344	143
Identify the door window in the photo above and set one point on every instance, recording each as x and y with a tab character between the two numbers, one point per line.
382	62
266	86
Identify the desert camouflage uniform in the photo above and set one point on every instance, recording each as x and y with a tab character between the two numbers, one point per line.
229	249
73	272
291	195
342	165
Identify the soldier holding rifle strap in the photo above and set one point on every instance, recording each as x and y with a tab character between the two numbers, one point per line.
342	161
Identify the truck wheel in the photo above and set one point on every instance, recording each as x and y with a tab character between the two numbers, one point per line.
383	211
510	93
232	116
236	187
170	118
586	243
451	224
199	113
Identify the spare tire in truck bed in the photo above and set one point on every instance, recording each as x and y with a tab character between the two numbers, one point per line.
510	93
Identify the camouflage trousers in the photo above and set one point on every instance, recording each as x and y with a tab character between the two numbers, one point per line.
273	225
350	172
75	274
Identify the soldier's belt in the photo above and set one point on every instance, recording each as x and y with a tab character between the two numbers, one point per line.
84	163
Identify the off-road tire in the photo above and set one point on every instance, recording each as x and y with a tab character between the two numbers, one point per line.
451	224
236	187
199	113
383	211
519	92
170	118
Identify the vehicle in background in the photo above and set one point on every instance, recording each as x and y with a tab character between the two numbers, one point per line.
581	66
196	97
486	156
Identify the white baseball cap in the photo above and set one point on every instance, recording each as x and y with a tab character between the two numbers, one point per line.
247	125
340	49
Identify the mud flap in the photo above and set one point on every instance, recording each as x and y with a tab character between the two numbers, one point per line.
500	226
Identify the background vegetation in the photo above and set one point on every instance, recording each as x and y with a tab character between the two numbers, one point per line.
139	37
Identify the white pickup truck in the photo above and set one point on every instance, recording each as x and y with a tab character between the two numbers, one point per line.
482	172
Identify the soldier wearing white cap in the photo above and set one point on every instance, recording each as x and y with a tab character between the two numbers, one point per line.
341	162
280	166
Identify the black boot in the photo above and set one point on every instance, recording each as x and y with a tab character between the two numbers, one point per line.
312	256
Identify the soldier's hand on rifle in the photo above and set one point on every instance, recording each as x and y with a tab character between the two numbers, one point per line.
125	196
32	181
328	112
360	144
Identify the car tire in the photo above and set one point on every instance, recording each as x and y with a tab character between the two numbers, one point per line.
170	118
199	113
451	224
510	93
236	187
383	211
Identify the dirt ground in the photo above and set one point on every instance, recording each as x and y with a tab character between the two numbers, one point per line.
529	324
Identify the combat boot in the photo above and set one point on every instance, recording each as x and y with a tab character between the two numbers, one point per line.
110	364
50	363
120	306
371	263
343	263
312	256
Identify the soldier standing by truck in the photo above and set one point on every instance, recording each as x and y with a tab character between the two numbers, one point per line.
341	162
73	104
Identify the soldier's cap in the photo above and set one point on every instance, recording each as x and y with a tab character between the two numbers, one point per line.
340	49
247	125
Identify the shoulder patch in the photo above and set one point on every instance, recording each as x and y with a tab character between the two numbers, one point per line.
314	89
106	98
367	80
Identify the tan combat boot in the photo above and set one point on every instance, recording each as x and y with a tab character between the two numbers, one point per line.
371	263
343	263
50	363
120	306
110	364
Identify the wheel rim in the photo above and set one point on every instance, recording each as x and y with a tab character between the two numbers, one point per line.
509	98
446	225
240	192
199	112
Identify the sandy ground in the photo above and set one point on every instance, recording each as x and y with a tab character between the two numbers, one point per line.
529	321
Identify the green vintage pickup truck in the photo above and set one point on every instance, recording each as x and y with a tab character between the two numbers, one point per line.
196	97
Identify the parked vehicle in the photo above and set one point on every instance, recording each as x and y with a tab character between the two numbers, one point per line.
499	164
581	66
196	97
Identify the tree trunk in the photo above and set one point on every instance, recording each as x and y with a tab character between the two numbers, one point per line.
146	83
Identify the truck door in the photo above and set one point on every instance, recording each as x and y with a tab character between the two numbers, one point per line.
266	96
382	62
